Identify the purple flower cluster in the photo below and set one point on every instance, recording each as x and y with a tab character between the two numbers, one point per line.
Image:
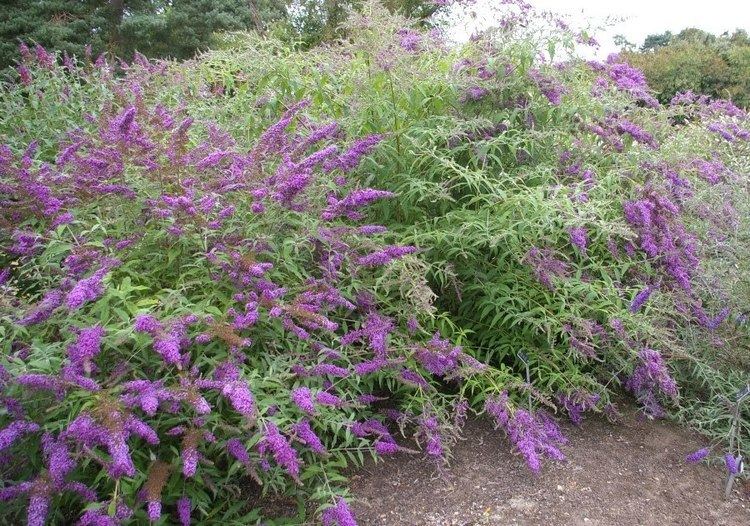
43	310
236	448
169	340
637	133
302	398
284	454
385	256
183	510
533	435
305	434
409	39
440	357
384	443
697	456
546	265
607	133
348	160
14	431
338	515
50	481
627	79
730	131
732	464
111	426
375	331
429	432
710	323
641	298
578	402
349	206
650	379
713	172
474	94
663	236
550	87
239	396
87	289
582	336
86	347
578	238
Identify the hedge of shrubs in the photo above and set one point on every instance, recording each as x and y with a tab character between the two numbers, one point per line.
244	272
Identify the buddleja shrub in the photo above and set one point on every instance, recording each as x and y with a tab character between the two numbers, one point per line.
182	316
571	223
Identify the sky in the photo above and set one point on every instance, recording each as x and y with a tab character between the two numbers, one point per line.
641	18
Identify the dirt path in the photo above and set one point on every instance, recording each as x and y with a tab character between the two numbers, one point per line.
630	474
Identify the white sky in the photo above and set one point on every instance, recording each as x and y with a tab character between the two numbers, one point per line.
645	17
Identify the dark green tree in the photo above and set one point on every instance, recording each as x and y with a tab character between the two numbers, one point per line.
65	25
657	41
416	9
162	28
179	28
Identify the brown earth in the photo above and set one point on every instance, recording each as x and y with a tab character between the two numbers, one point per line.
629	474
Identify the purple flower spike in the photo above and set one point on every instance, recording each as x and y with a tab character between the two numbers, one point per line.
183	511
283	453
308	437
338	515
578	238
302	398
14	431
641	298
731	463
240	397
236	448
697	456
87	289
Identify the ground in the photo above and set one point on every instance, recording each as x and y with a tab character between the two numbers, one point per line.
633	473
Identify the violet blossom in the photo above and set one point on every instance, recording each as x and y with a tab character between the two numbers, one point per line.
697	456
283	453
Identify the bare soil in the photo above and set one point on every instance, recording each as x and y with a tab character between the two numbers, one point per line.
633	473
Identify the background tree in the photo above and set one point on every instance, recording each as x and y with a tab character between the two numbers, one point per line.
718	66
64	25
321	20
170	28
623	43
656	41
163	28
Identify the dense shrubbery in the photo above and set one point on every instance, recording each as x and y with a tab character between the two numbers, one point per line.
198	296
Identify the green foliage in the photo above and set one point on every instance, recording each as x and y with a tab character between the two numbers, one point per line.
695	60
63	25
316	21
656	41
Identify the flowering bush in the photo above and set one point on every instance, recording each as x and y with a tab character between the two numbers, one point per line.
208	287
565	215
178	308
